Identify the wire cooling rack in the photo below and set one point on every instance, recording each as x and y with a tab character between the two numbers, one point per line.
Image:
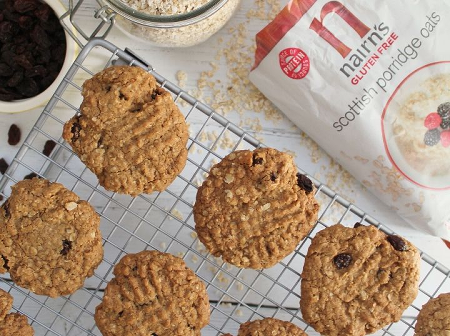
164	220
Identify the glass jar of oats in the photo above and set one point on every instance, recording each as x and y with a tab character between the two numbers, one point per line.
172	23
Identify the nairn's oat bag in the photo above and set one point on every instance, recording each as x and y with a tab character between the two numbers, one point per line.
369	81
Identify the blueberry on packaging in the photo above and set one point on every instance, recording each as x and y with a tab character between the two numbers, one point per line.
432	137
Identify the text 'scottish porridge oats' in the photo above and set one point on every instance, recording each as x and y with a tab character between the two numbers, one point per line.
175	35
369	82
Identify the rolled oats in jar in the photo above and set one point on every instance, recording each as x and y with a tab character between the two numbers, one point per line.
172	23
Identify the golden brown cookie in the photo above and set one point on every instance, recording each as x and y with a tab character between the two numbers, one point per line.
153	293
50	240
15	324
270	327
6	302
434	318
130	132
357	280
254	208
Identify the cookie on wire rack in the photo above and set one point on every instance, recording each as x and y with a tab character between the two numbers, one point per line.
129	133
6	302
50	240
153	293
270	327
357	280
254	208
434	317
14	323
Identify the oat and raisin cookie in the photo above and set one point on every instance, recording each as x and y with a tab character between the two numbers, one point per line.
13	323
254	208
130	133
16	324
6	302
50	240
153	293
434	318
357	280
270	326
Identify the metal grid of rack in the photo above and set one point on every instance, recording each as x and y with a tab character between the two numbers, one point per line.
164	221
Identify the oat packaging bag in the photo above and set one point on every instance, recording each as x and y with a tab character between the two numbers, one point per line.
369	81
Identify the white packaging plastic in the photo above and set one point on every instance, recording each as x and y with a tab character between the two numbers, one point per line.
369	81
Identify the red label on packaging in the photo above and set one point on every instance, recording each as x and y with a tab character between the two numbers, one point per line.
294	63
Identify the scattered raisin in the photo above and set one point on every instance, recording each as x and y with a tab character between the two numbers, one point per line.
14	135
397	243
304	183
5	263
67	246
273	176
3	165
1	198
48	147
120	313
257	160
357	225
342	260
30	176
76	129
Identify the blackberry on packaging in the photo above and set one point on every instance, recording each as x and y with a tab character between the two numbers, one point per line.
445	124
432	137
444	111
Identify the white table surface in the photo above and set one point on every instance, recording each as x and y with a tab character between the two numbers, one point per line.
281	134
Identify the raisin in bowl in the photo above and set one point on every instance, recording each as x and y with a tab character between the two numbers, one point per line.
35	53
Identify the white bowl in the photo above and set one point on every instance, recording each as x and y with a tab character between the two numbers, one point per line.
41	99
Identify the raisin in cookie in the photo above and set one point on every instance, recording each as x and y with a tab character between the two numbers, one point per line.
270	326
357	280
13	323
254	208
434	318
130	133
50	240
153	293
